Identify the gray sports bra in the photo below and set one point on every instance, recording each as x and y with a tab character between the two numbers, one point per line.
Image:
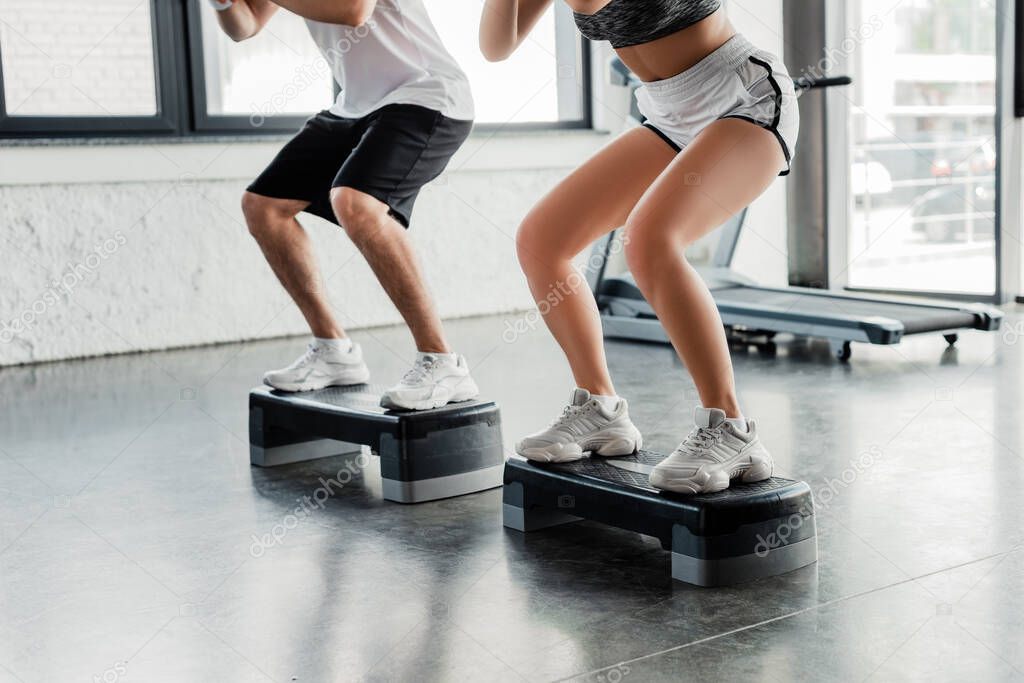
631	22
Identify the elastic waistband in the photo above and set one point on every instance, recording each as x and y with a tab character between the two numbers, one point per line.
730	55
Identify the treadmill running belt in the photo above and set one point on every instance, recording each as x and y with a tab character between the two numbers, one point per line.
916	317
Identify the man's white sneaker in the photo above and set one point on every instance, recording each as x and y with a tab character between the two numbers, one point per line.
713	454
585	425
321	366
436	379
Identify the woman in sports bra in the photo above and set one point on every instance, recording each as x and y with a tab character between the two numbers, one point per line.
721	124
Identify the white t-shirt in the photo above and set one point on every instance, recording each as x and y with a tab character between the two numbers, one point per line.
396	57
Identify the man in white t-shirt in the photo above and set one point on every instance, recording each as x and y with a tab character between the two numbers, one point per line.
404	109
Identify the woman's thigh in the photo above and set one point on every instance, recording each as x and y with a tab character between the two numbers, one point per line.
595	198
725	168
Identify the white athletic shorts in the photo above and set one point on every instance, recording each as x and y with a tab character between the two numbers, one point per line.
735	81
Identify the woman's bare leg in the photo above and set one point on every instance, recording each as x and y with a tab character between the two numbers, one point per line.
592	201
728	166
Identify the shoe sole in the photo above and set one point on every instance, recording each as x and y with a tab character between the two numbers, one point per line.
561	452
717	481
569	452
619	447
296	387
429	403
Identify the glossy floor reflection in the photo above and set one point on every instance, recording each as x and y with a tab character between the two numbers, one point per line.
136	543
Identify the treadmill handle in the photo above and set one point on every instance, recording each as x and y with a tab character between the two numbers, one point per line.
806	83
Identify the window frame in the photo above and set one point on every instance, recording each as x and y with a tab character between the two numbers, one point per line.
836	158
180	83
1018	58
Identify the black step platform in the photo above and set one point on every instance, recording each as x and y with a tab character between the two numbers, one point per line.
746	532
424	455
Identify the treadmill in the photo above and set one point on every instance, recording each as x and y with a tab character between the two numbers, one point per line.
755	315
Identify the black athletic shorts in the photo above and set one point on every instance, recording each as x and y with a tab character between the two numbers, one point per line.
389	154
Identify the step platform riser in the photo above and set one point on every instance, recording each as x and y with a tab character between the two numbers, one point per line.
423	490
313	449
732	570
424	456
748	532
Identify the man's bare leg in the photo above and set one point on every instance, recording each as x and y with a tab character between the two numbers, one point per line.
385	245
287	249
332	360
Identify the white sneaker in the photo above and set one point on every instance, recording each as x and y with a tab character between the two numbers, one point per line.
436	379
713	454
585	425
320	367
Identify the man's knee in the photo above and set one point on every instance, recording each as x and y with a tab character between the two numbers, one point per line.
263	214
358	213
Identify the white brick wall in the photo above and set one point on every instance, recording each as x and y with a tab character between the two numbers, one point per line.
151	265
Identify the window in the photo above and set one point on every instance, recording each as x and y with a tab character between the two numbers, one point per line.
84	66
278	76
545	81
83	61
163	67
924	146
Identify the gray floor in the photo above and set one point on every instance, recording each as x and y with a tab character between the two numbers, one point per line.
134	535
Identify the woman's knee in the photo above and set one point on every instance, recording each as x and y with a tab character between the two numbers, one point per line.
538	253
528	244
647	244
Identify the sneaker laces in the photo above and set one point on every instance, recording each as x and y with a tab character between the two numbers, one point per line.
569	413
421	369
700	441
312	351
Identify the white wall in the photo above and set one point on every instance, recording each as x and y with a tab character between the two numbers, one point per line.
152	251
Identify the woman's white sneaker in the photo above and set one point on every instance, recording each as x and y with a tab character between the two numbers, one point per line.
436	379
584	425
321	366
712	455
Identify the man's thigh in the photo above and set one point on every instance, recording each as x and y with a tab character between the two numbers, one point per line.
403	148
306	166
